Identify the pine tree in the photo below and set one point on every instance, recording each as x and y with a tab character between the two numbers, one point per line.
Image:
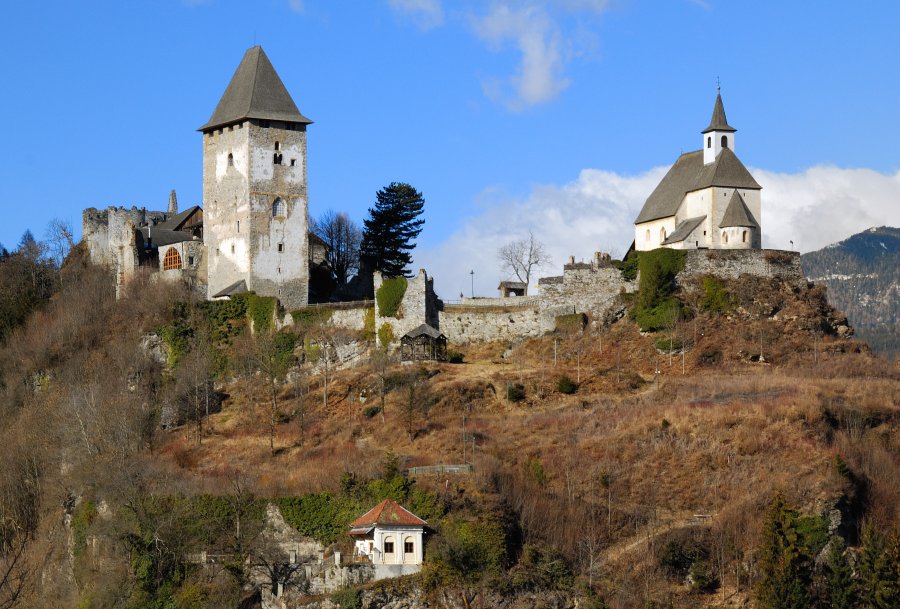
390	228
840	585
785	569
879	563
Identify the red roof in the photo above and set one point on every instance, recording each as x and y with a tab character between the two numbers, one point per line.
388	512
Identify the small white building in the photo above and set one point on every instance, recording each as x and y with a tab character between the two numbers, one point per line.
391	537
708	199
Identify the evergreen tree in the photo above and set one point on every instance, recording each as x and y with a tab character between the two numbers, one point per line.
785	568
390	228
879	563
840	585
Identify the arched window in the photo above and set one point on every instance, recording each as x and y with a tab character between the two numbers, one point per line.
172	259
388	549
708	141
662	234
744	237
647	235
724	237
279	210
230	160
409	546
724	141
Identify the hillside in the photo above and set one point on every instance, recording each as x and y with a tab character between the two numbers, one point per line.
862	274
596	480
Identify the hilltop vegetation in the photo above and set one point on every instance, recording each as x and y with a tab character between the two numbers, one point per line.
764	441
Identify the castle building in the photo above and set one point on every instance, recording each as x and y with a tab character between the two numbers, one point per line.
708	199
255	188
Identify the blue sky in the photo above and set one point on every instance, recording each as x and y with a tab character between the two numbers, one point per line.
554	116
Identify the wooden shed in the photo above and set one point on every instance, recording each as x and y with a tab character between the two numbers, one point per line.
423	343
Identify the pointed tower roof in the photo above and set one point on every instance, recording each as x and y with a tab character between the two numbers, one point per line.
718	122
255	91
737	213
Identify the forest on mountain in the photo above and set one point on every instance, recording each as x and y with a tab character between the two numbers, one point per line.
862	274
741	454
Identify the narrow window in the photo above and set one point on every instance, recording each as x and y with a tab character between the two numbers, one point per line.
276	146
230	160
276	158
724	141
744	237
724	237
662	234
293	162
708	142
190	261
172	259
238	226
280	247
278	209
232	248
647	235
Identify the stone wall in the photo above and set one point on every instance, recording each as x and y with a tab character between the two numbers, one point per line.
475	323
731	264
419	305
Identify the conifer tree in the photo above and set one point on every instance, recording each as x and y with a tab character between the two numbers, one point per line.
784	567
840	585
879	575
390	229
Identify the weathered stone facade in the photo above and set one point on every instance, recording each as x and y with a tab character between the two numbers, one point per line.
419	305
731	264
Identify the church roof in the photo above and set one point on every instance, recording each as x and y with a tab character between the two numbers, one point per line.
684	228
177	221
689	174
255	91
737	213
718	122
388	512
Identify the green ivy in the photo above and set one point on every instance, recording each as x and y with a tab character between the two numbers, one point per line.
390	295
312	316
656	308
385	334
261	310
369	324
716	298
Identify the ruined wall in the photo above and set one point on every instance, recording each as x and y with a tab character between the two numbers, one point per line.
482	323
419	305
731	264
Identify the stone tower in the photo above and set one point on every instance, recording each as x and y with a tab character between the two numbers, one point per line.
254	188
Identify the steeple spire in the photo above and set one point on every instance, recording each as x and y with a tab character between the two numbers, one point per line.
718	122
719	134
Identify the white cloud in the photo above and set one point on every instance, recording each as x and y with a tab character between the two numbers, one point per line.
539	77
595	212
426	14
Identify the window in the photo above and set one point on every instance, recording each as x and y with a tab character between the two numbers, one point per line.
389	547
724	237
232	248
276	146
279	209
172	259
238	226
293	162
408	547
744	237
724	141
230	160
190	261
708	142
662	234
276	158
647	235
280	247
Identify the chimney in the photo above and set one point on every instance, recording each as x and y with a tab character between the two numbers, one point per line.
173	203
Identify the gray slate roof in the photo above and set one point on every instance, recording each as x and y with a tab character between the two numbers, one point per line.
737	213
689	174
718	122
685	228
175	222
238	287
255	91
423	330
159	237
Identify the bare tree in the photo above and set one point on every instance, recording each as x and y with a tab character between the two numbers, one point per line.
521	258
59	239
342	236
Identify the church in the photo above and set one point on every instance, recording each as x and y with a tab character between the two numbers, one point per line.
708	199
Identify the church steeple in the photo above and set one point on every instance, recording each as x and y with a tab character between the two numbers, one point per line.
719	134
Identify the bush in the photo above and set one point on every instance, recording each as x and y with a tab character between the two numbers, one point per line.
571	323
515	392
716	299
629	266
349	598
385	334
371	411
702	577
312	316
390	295
656	308
669	344
710	356
261	310
454	357
566	385
369	324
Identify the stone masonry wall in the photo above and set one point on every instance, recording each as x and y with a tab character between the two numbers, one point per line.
419	305
731	264
466	323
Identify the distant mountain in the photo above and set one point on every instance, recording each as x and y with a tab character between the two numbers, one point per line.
862	274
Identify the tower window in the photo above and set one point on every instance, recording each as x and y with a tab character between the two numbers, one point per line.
724	141
724	237
276	146
708	142
230	160
662	234
190	261
276	158
280	247
172	259
238	226
744	237
279	210
293	162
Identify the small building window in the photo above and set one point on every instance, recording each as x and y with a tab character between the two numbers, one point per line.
408	547
238	226
744	237
293	162
172	259
190	261
276	146
279	210
647	235
232	248
280	247
662	234
230	160
276	158
724	237
724	141
389	547
708	141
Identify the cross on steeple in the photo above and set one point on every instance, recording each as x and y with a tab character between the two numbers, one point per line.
718	85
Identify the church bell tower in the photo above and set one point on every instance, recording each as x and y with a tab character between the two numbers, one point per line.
719	134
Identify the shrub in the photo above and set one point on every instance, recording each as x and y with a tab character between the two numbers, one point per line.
669	344
306	318
515	392
454	357
541	569
566	385
283	345
655	308
369	324
261	310
371	411
629	266
702	577
385	334
710	356
81	521
716	298
390	295
571	323
348	598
